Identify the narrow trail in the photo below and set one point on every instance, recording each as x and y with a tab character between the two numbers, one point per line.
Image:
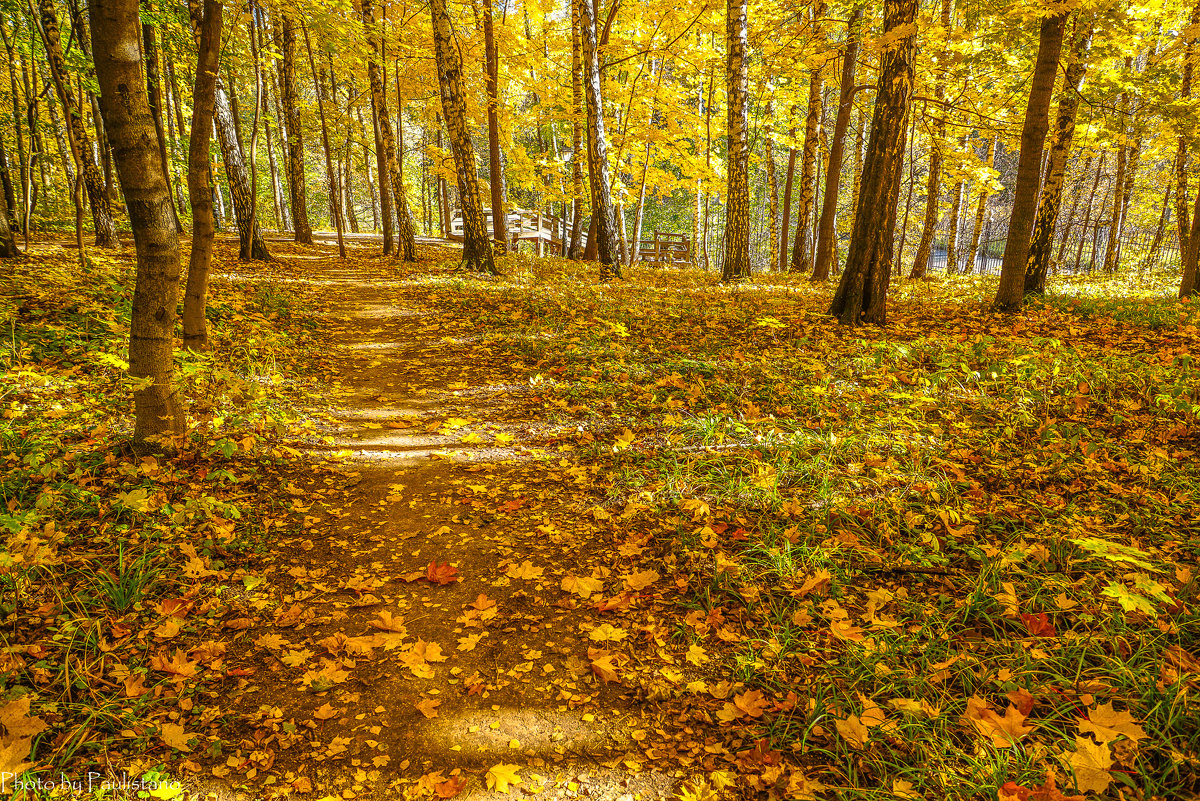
416	634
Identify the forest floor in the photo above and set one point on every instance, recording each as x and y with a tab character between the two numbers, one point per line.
436	535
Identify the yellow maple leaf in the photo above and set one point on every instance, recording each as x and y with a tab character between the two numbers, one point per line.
500	777
525	570
623	440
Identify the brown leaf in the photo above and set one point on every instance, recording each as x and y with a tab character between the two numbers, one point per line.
173	735
603	666
1004	732
441	573
451	787
853	731
428	707
751	703
325	712
17	720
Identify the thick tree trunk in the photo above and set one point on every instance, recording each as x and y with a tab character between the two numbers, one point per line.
1186	136
8	245
195	328
81	149
1189	285
154	92
1029	164
575	249
406	242
126	110
736	265
1037	266
295	138
607	246
801	255
826	233
495	165
477	246
862	293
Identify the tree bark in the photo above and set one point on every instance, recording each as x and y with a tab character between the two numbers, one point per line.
736	265
154	92
1186	136
406	242
785	228
1037	266
334	203
102	219
801	257
862	293
495	166
1029	165
981	210
195	297
826	234
575	250
385	192
126	111
295	138
772	185
8	245
477	246
607	246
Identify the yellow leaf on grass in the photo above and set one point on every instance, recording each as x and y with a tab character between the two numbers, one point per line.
501	777
1090	763
623	441
173	735
853	731
1107	724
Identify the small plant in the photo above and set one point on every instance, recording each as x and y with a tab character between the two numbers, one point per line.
132	580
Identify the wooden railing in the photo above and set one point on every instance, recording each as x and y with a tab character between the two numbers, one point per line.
671	250
547	232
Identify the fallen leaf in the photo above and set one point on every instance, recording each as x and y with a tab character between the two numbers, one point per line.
428	707
173	735
1090	763
500	777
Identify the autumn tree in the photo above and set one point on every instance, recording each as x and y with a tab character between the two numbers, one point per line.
195	327
801	256
125	106
1029	164
862	293
736	265
81	147
1038	263
295	137
477	248
608	249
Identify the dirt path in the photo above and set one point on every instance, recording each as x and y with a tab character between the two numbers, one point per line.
416	634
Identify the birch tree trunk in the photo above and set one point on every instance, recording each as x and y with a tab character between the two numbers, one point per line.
801	255
295	138
736	265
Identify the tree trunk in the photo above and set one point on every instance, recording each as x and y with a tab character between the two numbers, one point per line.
785	228
981	211
295	138
575	250
826	234
102	219
862	293
250	240
406	242
477	246
1037	265
772	185
495	166
334	204
736	265
937	144
607	246
154	92
195	328
8	245
126	111
385	192
801	257
1029	164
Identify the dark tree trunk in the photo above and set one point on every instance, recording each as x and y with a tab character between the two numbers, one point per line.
575	249
406	242
862	293
295	138
81	149
1037	266
8	245
736	265
495	167
801	248
607	246
1029	165
200	195
826	234
126	110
